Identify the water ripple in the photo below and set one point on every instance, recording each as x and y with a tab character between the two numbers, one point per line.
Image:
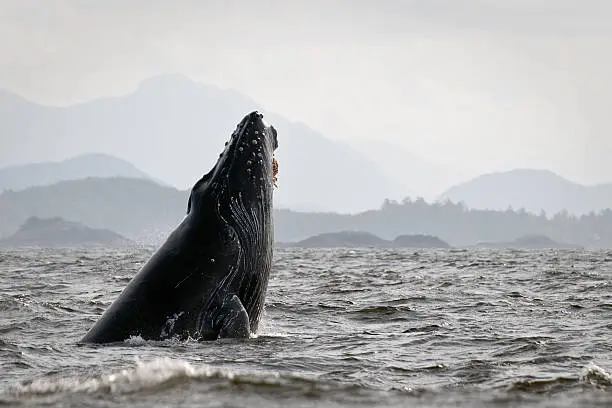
341	328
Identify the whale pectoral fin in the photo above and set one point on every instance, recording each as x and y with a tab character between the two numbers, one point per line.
234	319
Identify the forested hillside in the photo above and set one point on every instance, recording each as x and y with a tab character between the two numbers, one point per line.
146	211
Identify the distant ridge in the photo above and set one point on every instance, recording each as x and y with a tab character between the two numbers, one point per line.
173	128
79	167
138	209
146	212
533	190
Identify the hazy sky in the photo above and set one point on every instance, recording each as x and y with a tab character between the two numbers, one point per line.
477	85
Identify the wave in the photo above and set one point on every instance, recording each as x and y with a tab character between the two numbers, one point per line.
592	376
159	374
166	378
596	376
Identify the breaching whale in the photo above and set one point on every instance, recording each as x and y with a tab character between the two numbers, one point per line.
209	279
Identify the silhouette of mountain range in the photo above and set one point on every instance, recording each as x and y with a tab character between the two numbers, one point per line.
173	129
145	211
79	167
133	207
533	190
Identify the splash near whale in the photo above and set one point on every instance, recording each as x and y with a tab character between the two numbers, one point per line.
209	279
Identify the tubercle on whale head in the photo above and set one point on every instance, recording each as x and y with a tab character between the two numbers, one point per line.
251	150
246	165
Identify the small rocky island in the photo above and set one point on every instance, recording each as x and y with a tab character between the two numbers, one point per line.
419	241
529	242
346	239
57	232
361	239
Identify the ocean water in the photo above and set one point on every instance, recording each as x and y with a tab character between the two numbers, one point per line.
342	328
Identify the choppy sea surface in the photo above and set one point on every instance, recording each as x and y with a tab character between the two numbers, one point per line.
427	328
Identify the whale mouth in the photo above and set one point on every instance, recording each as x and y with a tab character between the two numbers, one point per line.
274	172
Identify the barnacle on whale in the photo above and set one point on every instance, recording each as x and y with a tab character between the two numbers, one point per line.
274	171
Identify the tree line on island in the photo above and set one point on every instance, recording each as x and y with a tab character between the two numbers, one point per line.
144	211
456	224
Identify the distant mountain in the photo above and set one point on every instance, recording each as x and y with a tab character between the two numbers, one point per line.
146	212
174	129
138	209
79	167
533	190
57	232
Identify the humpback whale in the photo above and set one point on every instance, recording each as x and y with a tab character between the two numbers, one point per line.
209	278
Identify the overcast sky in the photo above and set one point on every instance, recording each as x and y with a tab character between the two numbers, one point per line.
477	85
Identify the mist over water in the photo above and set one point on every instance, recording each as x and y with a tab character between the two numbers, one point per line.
341	328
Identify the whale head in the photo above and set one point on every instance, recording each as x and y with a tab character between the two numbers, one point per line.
245	168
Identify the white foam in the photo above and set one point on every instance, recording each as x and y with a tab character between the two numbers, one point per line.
151	375
135	341
144	375
596	375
